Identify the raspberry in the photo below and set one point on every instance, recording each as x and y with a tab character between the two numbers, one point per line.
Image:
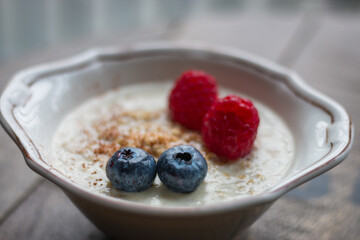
230	127
191	98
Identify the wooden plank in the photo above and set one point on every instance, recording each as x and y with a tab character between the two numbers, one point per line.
328	207
48	214
263	35
15	176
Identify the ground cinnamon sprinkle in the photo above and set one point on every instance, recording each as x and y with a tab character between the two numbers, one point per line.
145	130
109	134
106	148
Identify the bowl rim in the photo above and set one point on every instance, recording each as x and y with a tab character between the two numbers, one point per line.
24	79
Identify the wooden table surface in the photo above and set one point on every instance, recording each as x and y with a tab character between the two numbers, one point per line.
323	49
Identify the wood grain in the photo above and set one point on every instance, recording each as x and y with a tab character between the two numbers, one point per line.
48	214
15	175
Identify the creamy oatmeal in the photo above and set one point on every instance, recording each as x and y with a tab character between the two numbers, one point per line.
136	116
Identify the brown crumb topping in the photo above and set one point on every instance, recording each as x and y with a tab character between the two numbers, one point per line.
151	131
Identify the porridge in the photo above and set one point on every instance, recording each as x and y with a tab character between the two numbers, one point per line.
136	116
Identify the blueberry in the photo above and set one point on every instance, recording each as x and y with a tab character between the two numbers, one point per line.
181	168
131	169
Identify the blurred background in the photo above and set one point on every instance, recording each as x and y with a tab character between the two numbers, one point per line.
319	39
27	26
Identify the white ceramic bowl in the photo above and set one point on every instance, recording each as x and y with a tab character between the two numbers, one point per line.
36	100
